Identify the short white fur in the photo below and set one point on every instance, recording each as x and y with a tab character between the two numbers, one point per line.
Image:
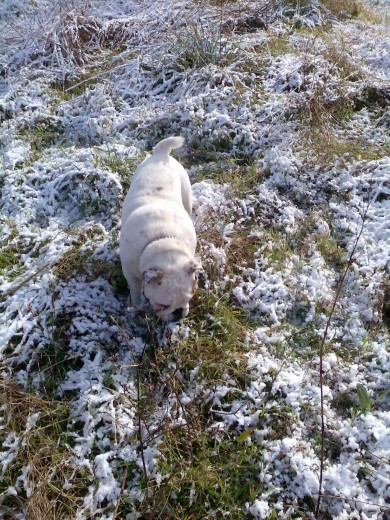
158	240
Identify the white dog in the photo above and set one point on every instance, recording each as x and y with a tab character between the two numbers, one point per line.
157	242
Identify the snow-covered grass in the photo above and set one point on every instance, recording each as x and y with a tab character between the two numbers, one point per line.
285	109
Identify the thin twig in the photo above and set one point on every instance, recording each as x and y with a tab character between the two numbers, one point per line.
139	420
18	286
141	442
351	259
120	493
349	499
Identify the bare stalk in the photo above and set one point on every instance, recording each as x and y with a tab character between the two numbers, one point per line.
126	336
120	494
351	259
141	442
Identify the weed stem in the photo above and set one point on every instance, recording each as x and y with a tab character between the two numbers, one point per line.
351	259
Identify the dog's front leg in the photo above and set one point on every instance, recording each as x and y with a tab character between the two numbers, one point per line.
135	286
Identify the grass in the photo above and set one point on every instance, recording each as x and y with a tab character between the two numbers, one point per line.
219	475
275	45
78	259
241	178
202	47
217	331
304	342
72	263
323	146
43	134
276	248
70	89
54	361
340	9
11	265
324	119
42	456
200	471
386	305
220	149
203	471
202	468
331	250
344	9
91	74
241	251
123	166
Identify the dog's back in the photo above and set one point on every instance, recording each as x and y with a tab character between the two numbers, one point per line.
161	177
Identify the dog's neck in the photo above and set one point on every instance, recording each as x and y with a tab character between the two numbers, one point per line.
157	240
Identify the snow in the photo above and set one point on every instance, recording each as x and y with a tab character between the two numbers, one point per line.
70	137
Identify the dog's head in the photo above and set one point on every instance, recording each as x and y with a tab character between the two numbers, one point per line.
170	292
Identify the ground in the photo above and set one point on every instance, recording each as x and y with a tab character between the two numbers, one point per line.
107	413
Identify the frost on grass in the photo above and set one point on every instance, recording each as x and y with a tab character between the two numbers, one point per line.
286	128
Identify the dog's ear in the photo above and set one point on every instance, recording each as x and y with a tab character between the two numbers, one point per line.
195	265
153	274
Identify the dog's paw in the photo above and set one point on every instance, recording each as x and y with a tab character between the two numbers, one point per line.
133	310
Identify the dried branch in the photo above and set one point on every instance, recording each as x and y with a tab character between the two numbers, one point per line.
351	260
120	494
140	431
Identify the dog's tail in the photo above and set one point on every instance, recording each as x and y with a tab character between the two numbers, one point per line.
164	147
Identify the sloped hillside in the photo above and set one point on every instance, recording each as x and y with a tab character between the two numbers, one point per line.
276	386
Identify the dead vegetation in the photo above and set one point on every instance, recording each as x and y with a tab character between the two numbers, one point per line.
36	431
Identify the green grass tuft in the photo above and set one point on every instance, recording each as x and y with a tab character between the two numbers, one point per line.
11	265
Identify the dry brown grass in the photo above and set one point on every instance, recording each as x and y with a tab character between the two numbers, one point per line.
55	486
342	8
